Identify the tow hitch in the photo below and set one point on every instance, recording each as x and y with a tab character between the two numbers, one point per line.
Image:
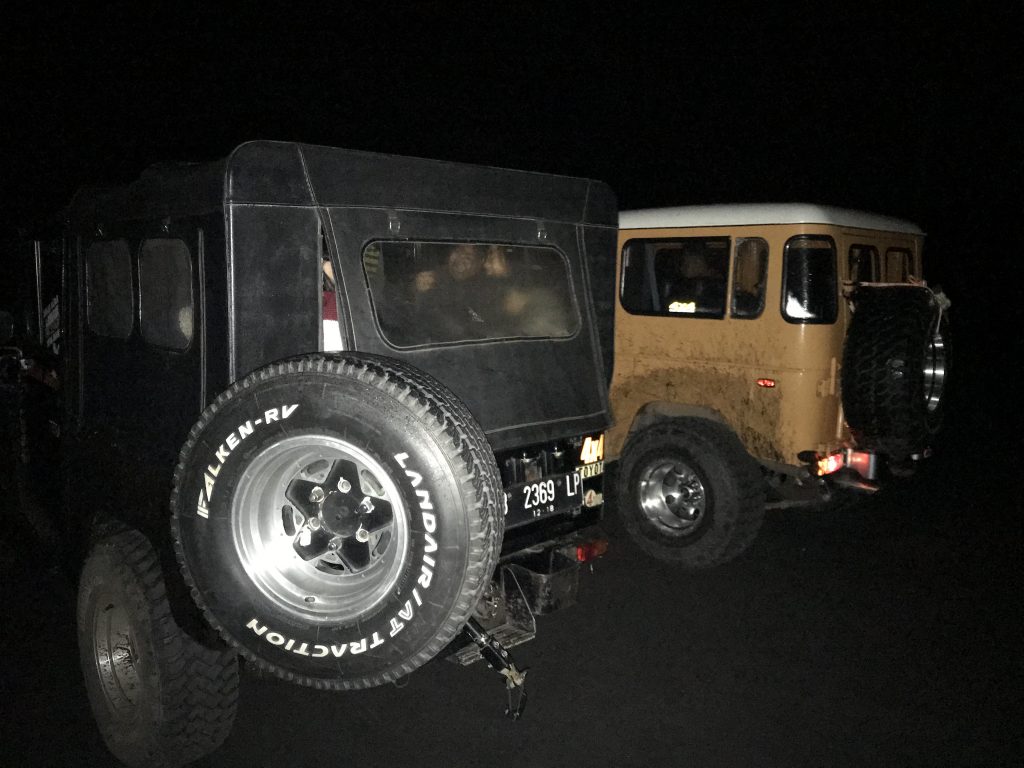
500	660
535	583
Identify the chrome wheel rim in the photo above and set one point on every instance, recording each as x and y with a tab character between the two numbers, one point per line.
934	372
320	528
115	655
672	496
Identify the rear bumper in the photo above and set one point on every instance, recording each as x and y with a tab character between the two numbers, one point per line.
529	584
817	478
853	469
847	463
849	479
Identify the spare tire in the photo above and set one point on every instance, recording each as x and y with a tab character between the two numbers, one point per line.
894	368
337	518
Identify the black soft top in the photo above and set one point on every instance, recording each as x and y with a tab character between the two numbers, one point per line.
288	173
271	206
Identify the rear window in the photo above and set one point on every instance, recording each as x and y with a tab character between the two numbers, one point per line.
862	264
809	290
897	265
686	277
108	288
427	293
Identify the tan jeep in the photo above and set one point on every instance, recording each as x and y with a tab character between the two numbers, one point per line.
765	354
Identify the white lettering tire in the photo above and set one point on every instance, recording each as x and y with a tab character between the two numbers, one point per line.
337	517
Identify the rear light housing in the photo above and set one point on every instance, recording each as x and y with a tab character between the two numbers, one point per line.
863	463
591	550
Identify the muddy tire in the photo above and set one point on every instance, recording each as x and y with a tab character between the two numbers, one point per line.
337	518
159	697
689	493
894	368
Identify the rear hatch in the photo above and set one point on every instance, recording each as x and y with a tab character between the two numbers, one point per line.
524	337
508	326
493	293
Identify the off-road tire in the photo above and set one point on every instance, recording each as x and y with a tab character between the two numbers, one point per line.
894	369
10	447
310	621
730	480
172	699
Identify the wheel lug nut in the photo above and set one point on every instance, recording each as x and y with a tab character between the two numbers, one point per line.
317	495
314	523
362	535
344	485
335	544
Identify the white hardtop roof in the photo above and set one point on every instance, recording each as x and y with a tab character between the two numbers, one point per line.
758	214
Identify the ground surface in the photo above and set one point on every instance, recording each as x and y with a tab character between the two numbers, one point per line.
885	634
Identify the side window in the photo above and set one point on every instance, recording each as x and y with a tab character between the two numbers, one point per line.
862	262
809	287
749	276
897	265
684	276
165	293
108	288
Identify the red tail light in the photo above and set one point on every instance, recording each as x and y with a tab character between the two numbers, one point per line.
591	550
832	463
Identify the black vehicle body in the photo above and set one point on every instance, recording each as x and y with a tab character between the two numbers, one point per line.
151	308
257	225
256	228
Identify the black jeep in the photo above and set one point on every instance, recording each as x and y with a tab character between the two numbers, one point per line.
373	389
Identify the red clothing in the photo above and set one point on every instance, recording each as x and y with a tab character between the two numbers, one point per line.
330	306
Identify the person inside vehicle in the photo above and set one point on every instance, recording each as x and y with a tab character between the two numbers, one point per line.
452	300
696	286
489	292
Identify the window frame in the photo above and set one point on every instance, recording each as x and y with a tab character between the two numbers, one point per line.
90	297
763	303
908	263
785	282
875	258
575	314
141	255
726	293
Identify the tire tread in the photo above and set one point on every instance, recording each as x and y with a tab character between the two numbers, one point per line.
466	440
742	524
199	685
883	368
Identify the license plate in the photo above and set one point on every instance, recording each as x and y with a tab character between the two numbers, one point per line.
541	498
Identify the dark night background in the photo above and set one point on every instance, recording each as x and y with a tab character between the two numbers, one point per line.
908	111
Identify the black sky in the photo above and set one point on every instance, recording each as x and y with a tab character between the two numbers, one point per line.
894	108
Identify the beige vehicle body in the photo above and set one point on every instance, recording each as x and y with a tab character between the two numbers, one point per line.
771	376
